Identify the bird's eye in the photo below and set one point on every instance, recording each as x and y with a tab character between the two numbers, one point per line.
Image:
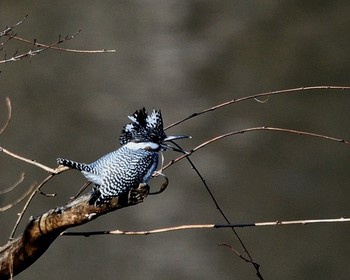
154	137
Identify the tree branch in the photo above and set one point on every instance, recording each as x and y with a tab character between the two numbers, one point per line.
251	129
32	52
31	161
206	226
42	231
257	96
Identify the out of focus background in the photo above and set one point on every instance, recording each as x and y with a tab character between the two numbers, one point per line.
183	57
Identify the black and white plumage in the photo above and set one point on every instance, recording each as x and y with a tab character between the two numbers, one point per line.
133	163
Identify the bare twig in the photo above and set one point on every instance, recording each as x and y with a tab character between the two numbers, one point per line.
61	49
9	34
292	131
8	38
34	192
9	29
18	57
241	256
207	226
163	186
142	232
249	259
25	207
222	213
82	189
20	180
9	113
30	161
257	96
53	172
23	196
33	52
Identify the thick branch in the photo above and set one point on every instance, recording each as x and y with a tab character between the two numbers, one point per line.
42	231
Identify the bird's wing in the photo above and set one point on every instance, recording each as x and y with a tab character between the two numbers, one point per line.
94	178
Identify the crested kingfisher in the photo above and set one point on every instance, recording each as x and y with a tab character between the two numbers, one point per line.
133	163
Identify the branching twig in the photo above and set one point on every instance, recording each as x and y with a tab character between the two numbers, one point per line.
9	35
35	191
206	226
18	57
292	131
30	161
26	205
61	49
256	96
249	258
9	29
245	249
256	265
33	52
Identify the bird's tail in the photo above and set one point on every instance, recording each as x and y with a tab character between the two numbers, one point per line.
73	164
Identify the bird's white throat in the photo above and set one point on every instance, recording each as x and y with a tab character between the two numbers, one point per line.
142	145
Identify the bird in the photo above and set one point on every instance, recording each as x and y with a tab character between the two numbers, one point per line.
133	163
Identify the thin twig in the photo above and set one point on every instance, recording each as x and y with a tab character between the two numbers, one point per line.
8	29
32	52
256	96
20	180
34	192
143	232
23	196
62	49
163	186
206	226
16	57
8	38
82	189
249	259
222	213
30	161
256	265
9	114
292	131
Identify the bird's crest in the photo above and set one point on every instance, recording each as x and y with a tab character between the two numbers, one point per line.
144	127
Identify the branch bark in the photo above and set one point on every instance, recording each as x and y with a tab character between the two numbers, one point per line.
41	231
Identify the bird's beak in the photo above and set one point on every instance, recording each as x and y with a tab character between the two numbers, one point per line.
172	138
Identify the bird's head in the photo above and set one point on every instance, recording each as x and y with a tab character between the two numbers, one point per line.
146	131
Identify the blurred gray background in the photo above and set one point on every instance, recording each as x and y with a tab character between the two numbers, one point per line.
183	57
